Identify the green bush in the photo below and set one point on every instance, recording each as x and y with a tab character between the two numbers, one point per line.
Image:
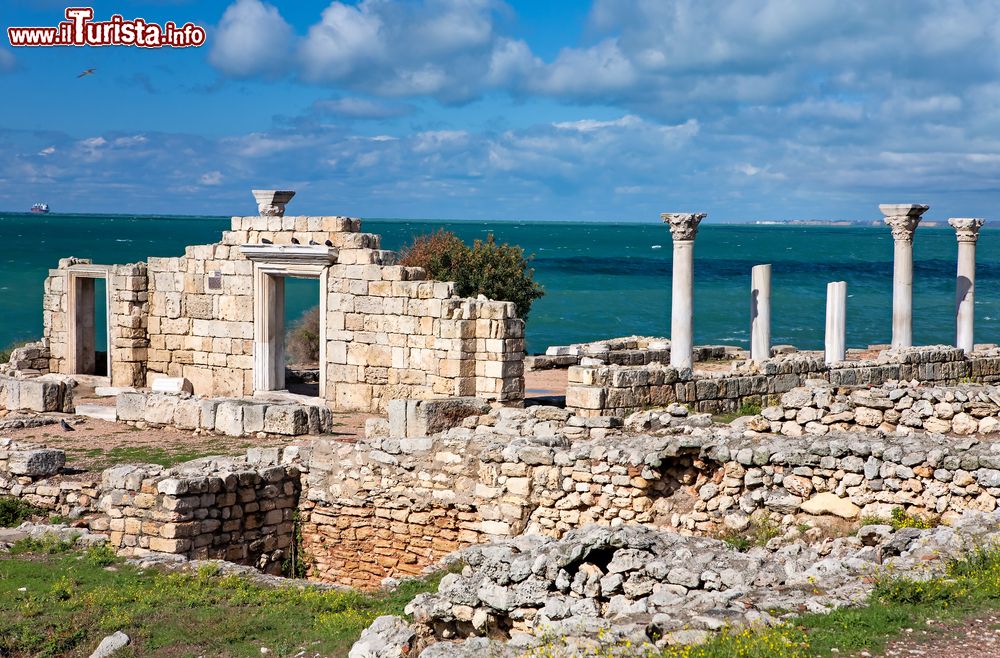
498	271
302	339
14	511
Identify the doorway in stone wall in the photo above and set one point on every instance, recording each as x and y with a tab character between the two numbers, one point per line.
89	320
302	336
278	274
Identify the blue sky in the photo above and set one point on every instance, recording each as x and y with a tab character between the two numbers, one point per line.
607	109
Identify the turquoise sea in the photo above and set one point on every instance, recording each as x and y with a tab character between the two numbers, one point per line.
601	279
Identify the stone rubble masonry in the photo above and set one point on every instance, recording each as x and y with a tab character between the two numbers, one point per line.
30	360
900	407
390	507
232	417
609	390
390	333
624	351
239	509
426	417
43	393
35	474
128	320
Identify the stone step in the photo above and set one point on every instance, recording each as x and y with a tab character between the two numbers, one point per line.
98	411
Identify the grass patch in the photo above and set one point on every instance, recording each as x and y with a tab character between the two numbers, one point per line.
99	457
899	519
746	409
74	598
758	534
15	511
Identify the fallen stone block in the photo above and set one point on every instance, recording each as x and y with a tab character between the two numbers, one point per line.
172	385
131	406
286	419
36	463
229	418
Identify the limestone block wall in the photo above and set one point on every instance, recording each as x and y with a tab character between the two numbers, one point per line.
230	417
29	360
389	333
127	320
621	390
237	509
42	394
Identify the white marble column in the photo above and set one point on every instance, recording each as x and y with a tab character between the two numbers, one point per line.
967	233
836	321
760	313
683	227
902	218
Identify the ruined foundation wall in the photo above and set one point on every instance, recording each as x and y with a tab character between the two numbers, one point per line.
35	474
236	509
621	390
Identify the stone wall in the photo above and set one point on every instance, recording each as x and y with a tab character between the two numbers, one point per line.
389	507
390	334
42	394
236	509
623	351
35	474
230	417
621	390
128	310
30	360
894	407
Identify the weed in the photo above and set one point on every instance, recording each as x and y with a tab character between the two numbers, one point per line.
757	534
14	511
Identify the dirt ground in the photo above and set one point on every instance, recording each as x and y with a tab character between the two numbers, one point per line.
976	637
96	444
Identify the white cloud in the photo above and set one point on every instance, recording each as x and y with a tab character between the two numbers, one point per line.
252	39
212	178
48	150
362	108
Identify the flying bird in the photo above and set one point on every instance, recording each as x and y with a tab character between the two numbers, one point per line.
66	426
86	73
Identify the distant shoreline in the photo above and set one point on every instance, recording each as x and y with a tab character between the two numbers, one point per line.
824	223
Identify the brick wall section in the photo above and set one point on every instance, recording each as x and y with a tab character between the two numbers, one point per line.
388	509
128	316
621	390
237	509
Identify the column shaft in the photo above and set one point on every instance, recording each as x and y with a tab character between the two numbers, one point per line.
967	233
902	294
760	313
836	321
682	305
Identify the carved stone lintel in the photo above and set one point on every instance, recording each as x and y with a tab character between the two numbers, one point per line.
271	203
966	228
903	218
683	225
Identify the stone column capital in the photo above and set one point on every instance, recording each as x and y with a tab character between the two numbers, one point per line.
683	225
966	228
271	203
903	218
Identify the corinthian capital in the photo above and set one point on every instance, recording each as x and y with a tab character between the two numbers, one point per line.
271	203
903	218
966	228
683	225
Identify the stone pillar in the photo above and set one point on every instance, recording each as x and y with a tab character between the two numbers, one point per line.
683	227
760	313
967	232
836	321
902	218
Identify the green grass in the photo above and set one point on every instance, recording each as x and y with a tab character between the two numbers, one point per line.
758	534
15	511
901	519
746	409
154	454
74	598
